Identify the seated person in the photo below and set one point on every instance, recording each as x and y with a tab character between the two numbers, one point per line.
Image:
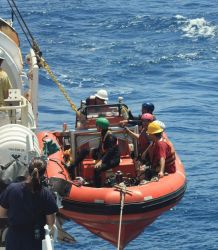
107	153
160	154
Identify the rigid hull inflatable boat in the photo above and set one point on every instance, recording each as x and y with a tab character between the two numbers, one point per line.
120	210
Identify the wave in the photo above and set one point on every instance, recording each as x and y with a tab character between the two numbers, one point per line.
196	28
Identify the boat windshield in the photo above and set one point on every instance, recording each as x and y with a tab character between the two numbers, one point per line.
102	110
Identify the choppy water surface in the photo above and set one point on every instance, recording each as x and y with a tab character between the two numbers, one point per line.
159	51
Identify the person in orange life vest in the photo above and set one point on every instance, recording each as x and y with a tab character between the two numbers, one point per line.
160	152
142	138
107	153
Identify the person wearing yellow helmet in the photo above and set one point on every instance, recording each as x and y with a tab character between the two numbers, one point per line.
159	153
107	153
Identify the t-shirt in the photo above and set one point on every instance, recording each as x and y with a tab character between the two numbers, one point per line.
158	150
24	207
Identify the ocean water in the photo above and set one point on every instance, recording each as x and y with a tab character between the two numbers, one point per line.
165	52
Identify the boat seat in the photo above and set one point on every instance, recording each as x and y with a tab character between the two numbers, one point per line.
126	166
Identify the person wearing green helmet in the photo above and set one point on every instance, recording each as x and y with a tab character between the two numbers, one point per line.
107	153
159	153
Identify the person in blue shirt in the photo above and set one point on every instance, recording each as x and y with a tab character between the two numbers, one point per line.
28	205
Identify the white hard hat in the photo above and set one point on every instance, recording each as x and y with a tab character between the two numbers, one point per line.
161	124
102	94
1	54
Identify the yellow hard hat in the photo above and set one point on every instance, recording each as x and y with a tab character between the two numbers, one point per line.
154	128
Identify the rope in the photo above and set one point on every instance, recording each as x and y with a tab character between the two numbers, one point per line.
19	19
35	47
123	191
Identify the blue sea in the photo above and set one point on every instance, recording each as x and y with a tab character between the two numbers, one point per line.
164	52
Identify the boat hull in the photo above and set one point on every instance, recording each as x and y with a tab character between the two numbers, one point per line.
106	224
99	209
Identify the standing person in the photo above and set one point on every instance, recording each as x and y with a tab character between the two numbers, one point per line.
5	85
142	138
107	153
29	206
160	154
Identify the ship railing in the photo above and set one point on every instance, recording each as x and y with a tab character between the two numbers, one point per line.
18	110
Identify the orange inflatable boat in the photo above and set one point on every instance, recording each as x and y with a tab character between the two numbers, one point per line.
120	210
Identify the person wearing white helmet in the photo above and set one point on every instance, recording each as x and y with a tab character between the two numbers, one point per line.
101	97
5	85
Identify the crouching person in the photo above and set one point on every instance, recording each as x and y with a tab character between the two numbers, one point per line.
29	206
160	154
107	153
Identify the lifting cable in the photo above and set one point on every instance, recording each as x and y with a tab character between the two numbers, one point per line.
123	191
40	60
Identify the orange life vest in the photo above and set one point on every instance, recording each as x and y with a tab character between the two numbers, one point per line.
170	160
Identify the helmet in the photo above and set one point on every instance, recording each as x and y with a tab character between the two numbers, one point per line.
147	116
102	94
162	125
154	128
102	122
148	106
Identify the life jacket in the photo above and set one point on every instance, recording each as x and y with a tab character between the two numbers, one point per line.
103	139
170	160
143	141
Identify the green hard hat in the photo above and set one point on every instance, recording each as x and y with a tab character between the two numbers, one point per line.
102	123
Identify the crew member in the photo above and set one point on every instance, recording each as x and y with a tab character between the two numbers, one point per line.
107	153
5	85
160	154
101	97
142	138
29	206
147	107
